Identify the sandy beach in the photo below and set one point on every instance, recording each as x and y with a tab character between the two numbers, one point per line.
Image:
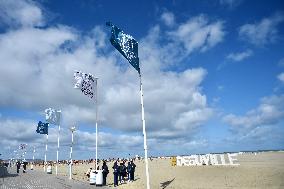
263	170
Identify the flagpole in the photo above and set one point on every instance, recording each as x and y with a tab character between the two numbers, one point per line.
96	98
34	156
57	148
32	166
144	133
72	129
45	152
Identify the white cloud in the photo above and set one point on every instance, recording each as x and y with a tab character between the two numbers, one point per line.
264	32
20	13
237	57
198	34
269	112
168	18
281	77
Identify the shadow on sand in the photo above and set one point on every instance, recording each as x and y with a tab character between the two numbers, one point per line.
167	183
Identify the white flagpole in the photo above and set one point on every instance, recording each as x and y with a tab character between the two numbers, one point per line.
96	98
57	148
144	134
45	152
34	156
71	161
32	166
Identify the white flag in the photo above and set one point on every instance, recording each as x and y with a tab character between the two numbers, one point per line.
86	83
52	116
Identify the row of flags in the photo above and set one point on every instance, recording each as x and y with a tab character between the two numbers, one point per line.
84	82
87	83
125	44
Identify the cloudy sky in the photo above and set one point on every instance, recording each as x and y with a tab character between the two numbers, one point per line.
213	76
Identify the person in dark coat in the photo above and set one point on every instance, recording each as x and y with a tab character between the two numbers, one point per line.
115	174
18	166
128	171
105	172
122	172
132	171
25	166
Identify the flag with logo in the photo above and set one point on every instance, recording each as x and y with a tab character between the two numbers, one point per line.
42	128
125	44
86	83
52	116
22	146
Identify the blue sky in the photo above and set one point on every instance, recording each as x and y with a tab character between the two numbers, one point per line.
213	74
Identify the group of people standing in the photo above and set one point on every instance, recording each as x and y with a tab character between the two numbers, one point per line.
18	164
121	171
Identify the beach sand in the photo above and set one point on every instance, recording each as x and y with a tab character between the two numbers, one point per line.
263	170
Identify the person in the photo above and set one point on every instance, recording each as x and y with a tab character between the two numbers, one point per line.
88	172
18	166
132	170
122	172
105	172
128	171
115	174
25	166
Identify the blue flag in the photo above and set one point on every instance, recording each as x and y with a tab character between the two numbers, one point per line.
42	128
125	44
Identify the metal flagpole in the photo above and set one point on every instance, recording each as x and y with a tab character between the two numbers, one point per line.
71	151
34	156
70	171
144	134
32	166
57	148
96	98
45	152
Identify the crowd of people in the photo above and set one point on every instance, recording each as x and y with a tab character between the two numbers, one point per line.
122	173
123	170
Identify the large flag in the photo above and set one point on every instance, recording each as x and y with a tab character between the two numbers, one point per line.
125	44
52	116
42	128
86	83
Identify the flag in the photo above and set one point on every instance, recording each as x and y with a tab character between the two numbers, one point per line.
22	146
52	116
85	82
125	44
42	128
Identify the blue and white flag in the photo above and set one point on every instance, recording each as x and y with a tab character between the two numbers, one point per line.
42	128
125	44
86	83
52	116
